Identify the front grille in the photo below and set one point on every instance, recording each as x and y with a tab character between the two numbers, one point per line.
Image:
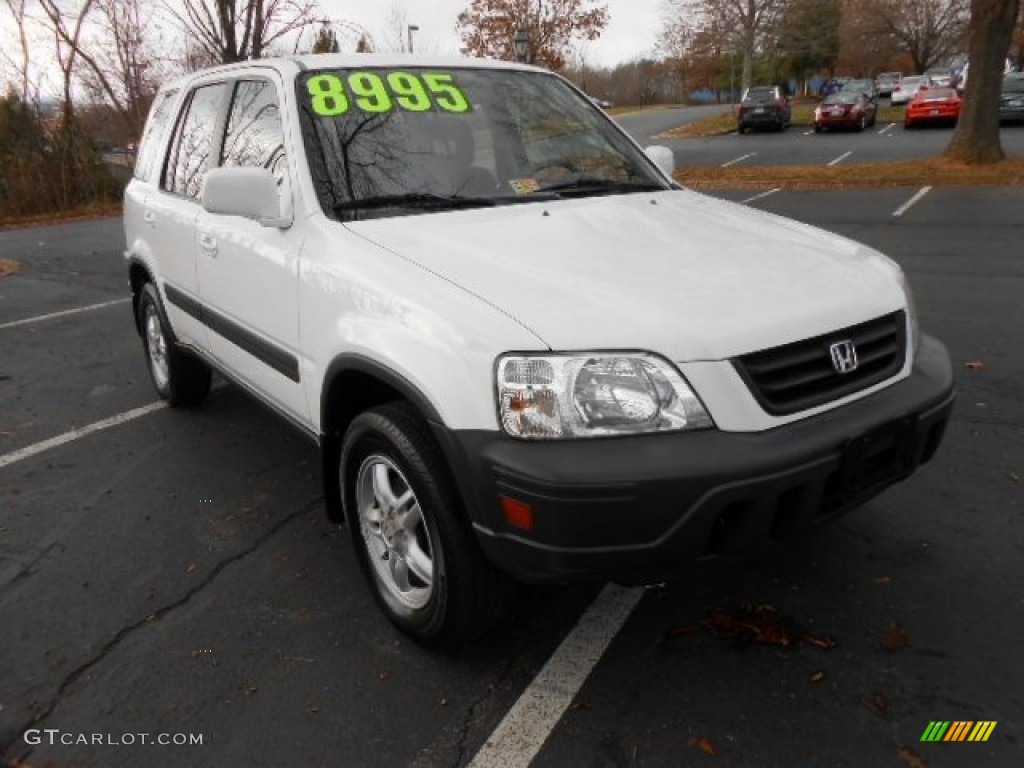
798	376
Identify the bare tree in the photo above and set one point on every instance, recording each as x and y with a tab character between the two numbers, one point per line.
66	28
118	62
929	31
394	35
976	138
22	66
488	27
862	49
226	31
740	25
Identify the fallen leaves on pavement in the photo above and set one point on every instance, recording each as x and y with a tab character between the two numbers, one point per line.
877	703
894	637
9	267
975	365
911	758
762	624
818	676
704	745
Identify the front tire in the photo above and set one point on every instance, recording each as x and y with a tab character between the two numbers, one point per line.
179	378
424	566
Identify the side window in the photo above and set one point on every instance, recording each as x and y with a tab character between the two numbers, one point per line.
152	140
193	142
254	138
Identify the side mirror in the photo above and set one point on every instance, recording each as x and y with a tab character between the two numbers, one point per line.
663	157
248	192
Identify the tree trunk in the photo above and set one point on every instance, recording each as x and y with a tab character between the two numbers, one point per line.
747	75
976	139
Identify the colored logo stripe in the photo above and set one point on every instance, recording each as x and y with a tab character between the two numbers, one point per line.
958	730
982	730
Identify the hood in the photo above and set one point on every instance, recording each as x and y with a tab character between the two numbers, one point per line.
678	273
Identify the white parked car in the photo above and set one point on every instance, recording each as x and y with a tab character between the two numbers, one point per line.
525	352
907	89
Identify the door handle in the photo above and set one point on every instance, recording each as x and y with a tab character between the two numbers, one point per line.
150	218
208	244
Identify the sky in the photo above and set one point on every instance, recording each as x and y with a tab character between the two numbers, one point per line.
631	33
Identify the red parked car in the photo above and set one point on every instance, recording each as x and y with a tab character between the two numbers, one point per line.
845	109
932	105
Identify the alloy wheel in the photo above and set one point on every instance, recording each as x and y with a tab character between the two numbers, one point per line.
397	541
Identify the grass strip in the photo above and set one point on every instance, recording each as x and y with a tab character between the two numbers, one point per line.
933	171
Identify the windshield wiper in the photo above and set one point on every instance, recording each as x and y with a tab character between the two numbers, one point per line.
413	200
585	185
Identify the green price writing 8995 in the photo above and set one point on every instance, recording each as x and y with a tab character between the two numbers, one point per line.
373	92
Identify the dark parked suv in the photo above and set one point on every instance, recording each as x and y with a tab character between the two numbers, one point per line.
763	106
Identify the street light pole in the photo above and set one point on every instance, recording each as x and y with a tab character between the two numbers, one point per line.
732	80
412	28
521	45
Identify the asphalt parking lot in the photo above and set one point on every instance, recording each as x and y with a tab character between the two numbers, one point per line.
173	572
798	145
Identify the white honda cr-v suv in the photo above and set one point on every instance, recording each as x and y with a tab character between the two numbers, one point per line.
526	353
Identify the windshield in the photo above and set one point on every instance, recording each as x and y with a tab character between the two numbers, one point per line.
1014	84
936	94
385	142
759	94
839	97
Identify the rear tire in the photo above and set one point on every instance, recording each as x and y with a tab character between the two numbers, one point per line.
417	551
179	378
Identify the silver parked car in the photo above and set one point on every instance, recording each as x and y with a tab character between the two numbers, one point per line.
1011	100
907	88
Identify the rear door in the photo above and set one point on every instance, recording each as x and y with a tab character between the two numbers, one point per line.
172	211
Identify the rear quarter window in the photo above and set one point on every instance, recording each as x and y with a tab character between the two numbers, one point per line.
147	161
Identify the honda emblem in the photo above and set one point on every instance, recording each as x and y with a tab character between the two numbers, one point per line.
844	356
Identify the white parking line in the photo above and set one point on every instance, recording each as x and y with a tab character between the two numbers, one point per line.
840	159
808	133
889	127
912	201
31	450
63	313
739	159
760	195
521	734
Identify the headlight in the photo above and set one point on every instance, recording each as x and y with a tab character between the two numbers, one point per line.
556	396
913	329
